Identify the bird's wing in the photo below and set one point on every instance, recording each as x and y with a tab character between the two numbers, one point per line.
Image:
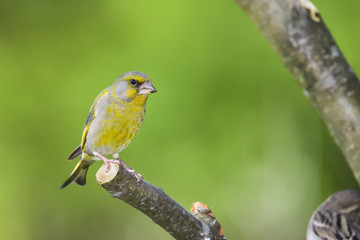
333	226
88	122
80	148
90	118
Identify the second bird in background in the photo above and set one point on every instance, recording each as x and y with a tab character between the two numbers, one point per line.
113	121
337	218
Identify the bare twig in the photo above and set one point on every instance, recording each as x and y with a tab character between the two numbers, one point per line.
296	31
155	203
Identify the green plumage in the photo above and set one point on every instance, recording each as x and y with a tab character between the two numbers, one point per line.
114	119
79	174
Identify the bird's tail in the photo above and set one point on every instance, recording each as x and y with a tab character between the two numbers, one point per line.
78	175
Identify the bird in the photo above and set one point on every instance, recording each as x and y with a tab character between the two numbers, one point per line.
336	218
114	119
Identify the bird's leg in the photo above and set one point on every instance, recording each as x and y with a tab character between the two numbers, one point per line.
128	168
107	161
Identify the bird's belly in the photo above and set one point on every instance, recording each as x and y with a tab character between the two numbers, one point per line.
116	133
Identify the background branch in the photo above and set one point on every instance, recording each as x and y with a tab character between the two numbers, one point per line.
296	31
156	204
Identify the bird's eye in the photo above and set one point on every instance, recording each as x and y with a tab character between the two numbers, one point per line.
133	82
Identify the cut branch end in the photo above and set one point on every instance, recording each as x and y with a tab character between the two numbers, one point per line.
105	175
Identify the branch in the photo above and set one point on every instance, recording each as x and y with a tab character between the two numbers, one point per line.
296	31
156	204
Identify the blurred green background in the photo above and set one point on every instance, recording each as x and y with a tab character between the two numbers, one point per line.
228	125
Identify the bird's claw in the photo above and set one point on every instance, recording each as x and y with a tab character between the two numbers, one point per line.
118	161
136	175
107	163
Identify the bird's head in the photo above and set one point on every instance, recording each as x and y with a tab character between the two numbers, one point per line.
346	203
131	86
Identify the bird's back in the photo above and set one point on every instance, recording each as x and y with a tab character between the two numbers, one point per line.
326	225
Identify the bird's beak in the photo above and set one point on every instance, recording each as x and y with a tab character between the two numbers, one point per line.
146	88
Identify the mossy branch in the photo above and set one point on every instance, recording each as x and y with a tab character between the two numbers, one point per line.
299	35
156	204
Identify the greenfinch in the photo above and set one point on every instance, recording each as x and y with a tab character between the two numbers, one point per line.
114	119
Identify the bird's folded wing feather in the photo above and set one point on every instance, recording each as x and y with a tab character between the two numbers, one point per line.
75	153
333	226
90	118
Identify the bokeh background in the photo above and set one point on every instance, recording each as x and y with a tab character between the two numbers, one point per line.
228	125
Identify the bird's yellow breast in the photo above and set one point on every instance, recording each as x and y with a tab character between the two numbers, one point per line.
120	125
